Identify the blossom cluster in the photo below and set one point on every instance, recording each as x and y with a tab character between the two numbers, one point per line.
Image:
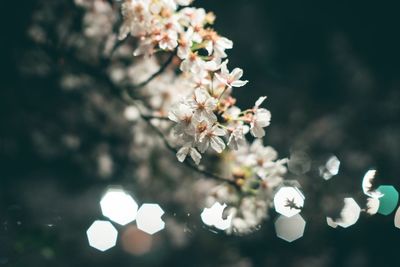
193	96
200	102
207	116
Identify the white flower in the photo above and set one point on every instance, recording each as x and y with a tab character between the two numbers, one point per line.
218	45
188	150
200	79
182	115
195	17
136	18
231	79
192	63
157	6
262	154
211	137
204	105
260	119
168	40
237	137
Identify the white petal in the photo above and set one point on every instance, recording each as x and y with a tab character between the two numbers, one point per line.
225	43
195	155
263	117
260	101
203	145
210	117
257	131
209	47
217	144
224	68
221	79
232	143
185	66
182	153
172	116
239	83
237	73
218	131
200	95
211	104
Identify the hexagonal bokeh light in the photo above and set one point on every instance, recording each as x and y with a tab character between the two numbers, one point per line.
367	185
348	216
119	206
149	218
213	216
389	200
372	205
330	169
102	235
288	201
290	229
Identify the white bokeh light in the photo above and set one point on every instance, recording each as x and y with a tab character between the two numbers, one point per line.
330	169
372	205
348	216
331	222
288	201
290	229
149	218
397	218
213	216
367	185
131	113
119	206
102	235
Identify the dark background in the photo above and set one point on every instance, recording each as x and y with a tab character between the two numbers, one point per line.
330	70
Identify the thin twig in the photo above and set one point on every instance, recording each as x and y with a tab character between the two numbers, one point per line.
150	117
154	75
186	162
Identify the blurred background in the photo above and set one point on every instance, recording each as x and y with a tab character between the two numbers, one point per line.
331	73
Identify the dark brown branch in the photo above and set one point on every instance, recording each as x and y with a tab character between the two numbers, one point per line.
150	117
154	75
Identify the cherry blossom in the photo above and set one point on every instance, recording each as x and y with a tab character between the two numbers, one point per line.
182	115
204	105
211	137
231	79
188	150
260	119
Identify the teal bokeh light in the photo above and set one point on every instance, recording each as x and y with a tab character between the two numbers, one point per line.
389	201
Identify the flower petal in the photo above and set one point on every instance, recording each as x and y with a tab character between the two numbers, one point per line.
239	83
195	155
217	144
260	101
182	153
237	73
257	131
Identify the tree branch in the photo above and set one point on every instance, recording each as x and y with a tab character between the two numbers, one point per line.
186	162
127	96
154	75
